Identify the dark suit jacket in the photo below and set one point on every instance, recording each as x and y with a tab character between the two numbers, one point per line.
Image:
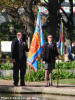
73	49
18	51
50	53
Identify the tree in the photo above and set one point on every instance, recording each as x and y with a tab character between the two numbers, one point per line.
55	16
22	11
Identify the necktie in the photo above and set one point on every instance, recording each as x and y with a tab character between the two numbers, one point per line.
20	41
50	45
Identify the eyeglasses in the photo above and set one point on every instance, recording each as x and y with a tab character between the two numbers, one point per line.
18	34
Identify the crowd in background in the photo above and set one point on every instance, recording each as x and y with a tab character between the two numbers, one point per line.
71	51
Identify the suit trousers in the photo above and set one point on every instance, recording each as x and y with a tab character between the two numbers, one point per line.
19	66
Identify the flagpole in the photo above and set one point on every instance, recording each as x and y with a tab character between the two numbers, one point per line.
29	74
58	77
58	68
29	67
41	64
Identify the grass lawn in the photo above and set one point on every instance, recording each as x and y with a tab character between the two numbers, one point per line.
66	81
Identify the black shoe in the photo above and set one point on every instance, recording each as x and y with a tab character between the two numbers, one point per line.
22	84
15	84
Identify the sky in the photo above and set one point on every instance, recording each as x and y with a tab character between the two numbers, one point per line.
68	1
43	0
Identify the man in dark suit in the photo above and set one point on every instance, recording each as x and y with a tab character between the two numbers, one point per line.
49	58
18	49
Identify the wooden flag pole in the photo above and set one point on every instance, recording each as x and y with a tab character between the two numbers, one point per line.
41	64
58	77
29	67
29	74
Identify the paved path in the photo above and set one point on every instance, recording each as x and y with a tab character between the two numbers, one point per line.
36	87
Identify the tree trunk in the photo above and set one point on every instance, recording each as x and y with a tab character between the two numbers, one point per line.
52	19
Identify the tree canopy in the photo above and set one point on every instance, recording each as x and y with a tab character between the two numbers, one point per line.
23	12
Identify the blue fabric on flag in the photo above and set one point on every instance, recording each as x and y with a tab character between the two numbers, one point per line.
61	48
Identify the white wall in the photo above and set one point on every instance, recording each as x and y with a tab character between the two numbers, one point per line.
6	46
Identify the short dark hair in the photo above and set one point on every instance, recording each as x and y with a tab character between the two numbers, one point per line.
49	35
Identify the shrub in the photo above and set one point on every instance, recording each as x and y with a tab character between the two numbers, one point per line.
66	65
6	66
36	76
40	75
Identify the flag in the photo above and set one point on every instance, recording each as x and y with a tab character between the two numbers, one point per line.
37	45
71	55
61	48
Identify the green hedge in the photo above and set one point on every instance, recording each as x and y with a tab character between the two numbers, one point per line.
62	65
40	75
64	74
66	65
6	66
36	76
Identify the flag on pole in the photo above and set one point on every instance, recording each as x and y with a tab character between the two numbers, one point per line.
61	48
37	45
